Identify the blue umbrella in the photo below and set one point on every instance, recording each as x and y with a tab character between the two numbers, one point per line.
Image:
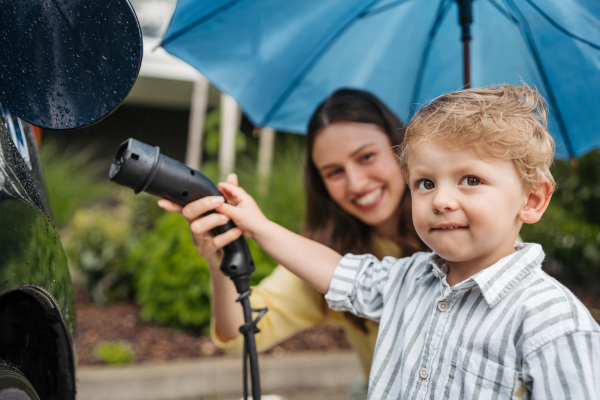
279	59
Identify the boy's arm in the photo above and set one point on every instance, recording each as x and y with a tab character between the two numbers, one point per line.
566	367
310	260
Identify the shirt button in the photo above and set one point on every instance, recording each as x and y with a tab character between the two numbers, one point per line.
436	273
424	373
442	306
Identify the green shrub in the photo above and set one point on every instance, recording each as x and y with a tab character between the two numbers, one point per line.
116	352
73	178
572	244
98	239
569	231
172	282
97	242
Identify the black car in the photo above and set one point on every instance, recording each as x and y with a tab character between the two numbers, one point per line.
63	65
37	314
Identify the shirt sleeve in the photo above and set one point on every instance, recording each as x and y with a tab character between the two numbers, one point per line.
359	284
565	368
293	306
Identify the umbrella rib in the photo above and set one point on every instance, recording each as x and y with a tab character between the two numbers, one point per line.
289	88
383	8
550	94
503	11
560	28
203	19
442	9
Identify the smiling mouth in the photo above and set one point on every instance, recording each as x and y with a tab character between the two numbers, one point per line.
369	199
449	228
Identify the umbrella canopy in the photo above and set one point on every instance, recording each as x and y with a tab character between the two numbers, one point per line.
279	59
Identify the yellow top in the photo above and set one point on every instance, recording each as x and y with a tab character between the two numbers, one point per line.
294	306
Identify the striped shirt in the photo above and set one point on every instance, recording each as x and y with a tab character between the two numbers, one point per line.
508	332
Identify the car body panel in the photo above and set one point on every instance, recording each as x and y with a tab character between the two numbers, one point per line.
37	308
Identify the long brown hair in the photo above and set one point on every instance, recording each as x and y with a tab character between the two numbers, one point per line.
325	221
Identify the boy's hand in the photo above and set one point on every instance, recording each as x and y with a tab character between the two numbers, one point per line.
242	209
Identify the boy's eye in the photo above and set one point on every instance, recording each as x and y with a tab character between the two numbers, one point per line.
425	184
470	181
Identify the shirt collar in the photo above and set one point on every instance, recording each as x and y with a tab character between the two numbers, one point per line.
498	279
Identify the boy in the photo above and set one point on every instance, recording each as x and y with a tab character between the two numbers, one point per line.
477	318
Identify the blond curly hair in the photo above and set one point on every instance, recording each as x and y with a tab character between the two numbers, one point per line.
505	121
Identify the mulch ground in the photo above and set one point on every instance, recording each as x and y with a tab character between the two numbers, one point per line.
153	343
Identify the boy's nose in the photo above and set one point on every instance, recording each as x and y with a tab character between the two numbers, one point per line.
443	200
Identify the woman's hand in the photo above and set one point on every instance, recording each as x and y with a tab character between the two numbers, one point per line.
207	245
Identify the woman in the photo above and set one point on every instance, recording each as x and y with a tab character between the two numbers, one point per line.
357	202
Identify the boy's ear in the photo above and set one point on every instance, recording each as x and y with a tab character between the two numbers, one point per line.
537	202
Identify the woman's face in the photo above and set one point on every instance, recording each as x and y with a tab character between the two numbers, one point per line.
361	173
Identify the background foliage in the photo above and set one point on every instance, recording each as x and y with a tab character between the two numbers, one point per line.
570	228
171	281
72	177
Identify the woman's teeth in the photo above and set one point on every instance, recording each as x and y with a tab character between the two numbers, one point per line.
369	198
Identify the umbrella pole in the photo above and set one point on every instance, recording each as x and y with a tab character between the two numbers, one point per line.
465	18
466	64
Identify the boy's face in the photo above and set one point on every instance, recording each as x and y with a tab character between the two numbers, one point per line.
465	204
